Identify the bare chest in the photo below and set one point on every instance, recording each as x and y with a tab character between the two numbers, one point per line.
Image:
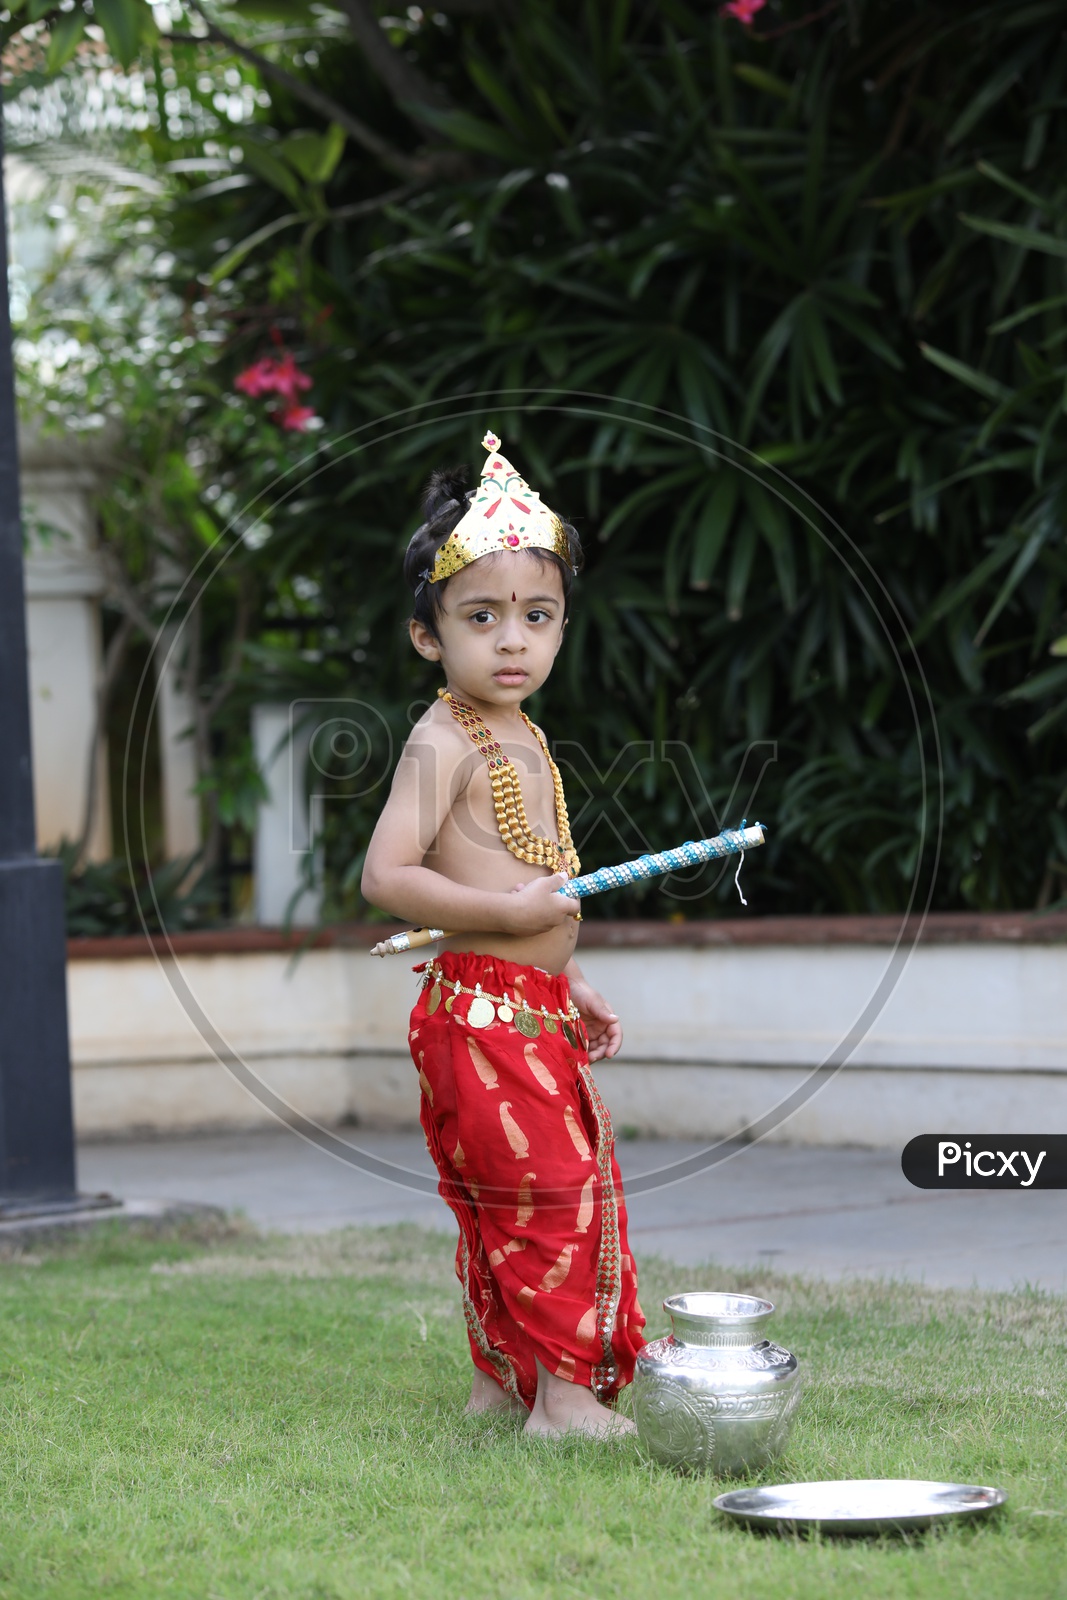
470	848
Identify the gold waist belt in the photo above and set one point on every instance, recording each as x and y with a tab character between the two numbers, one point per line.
488	1008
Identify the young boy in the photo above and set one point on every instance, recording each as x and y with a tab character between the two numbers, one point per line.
506	1025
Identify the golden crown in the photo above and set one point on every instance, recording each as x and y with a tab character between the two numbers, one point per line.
504	514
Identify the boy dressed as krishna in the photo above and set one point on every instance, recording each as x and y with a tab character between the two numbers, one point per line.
474	838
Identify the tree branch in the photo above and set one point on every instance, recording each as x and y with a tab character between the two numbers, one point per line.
207	707
125	596
363	208
394	160
896	132
231	676
409	87
114	659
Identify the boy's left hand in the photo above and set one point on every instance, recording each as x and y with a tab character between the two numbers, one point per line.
600	1022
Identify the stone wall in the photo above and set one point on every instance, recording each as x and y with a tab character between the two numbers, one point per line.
725	1024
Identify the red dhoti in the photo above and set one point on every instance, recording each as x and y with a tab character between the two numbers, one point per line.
522	1141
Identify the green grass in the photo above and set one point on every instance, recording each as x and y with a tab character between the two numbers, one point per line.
225	1415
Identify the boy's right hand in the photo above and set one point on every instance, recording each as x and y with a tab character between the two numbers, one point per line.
538	906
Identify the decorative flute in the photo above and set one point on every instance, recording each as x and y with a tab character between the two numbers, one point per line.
735	841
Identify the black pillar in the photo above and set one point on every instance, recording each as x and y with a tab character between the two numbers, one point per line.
36	1128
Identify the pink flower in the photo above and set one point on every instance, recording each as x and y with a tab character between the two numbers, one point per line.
279	375
271	376
256	380
289	381
293	417
744	11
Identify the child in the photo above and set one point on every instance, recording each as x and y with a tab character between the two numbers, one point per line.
506	1026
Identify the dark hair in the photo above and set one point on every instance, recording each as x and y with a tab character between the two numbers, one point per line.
444	503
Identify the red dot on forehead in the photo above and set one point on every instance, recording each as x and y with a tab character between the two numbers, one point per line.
513	594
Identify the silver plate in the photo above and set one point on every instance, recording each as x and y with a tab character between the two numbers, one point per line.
858	1505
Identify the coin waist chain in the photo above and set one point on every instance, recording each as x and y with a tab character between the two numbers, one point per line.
487	1008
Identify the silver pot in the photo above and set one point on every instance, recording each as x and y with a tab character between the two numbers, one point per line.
715	1396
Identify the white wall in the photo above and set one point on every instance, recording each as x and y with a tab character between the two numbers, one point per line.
956	1007
63	585
175	712
974	1036
283	820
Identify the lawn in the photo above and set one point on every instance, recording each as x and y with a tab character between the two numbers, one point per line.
219	1414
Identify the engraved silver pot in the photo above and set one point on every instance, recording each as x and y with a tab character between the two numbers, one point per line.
715	1395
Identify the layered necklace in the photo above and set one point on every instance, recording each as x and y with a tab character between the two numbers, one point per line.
507	795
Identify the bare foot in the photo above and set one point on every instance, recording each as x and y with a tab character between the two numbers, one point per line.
563	1407
487	1395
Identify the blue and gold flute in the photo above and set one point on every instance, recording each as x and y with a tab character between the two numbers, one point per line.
735	841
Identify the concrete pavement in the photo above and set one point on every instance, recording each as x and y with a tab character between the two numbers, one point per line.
832	1213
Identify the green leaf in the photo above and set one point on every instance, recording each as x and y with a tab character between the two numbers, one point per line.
233	258
652	645
472	133
764	207
1027	312
1025	238
125	23
974	379
769	352
268	166
1038	729
502	100
315	155
559	188
647	495
813	179
510	185
206	530
844	211
766	82
819	345
66	34
740	571
910	199
838	645
988	170
548	111
644	383
1004	461
862	330
701	393
994	89
645	268
766	513
712	529
283	11
1038	687
684	77
1058	647
1020	567
965	656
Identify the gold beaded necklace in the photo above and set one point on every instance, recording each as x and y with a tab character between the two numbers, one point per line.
507	795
